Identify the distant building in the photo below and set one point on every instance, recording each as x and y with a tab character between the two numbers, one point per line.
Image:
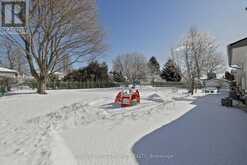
6	73
7	77
59	75
216	83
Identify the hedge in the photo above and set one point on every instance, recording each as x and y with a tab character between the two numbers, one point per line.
74	85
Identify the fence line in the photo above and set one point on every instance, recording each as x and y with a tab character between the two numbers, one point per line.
73	84
169	84
97	84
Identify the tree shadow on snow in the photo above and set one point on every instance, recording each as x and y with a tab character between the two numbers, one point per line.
209	134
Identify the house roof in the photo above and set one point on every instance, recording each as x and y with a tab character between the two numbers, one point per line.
6	70
237	44
7	73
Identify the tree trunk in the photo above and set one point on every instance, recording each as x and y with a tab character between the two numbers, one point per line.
41	86
192	86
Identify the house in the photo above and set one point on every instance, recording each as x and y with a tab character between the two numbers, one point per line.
59	75
7	76
216	83
6	73
237	57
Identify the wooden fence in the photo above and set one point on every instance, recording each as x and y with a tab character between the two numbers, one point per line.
74	85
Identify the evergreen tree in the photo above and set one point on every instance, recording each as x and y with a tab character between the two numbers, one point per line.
96	71
171	72
118	77
154	66
93	72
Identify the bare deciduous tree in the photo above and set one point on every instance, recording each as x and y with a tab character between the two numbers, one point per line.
58	29
13	57
64	67
199	54
215	63
133	66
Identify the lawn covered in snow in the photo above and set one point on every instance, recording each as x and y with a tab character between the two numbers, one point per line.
81	126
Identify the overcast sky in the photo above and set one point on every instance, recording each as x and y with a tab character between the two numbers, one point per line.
152	27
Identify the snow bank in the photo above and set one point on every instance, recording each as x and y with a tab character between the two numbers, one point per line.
60	154
109	141
31	124
155	97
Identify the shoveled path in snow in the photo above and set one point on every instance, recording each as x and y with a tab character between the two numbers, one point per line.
208	135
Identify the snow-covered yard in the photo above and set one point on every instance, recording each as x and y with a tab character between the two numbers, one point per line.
72	127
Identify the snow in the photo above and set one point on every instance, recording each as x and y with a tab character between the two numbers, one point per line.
209	134
60	154
109	142
73	127
26	104
6	70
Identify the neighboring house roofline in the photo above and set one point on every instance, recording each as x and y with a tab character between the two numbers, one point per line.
7	70
237	44
8	73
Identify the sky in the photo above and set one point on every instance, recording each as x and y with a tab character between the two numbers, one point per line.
153	27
